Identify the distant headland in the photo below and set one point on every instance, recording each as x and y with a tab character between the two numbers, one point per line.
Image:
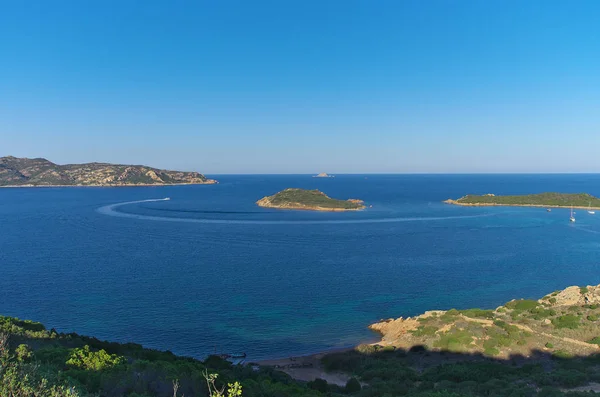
554	200
312	200
24	172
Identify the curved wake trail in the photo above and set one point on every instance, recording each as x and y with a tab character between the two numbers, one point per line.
111	210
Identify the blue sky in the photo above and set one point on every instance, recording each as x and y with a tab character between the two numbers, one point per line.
304	86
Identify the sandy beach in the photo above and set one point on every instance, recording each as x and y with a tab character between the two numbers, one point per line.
308	368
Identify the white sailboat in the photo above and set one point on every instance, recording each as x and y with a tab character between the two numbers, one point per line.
572	218
590	210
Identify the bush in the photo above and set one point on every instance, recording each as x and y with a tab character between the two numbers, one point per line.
595	341
478	313
549	345
583	290
552	300
319	385
84	358
353	385
592	317
562	354
570	321
23	352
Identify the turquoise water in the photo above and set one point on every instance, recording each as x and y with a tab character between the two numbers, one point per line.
209	271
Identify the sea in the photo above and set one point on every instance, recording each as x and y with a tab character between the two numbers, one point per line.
208	271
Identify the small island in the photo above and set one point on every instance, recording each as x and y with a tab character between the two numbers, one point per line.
323	175
312	200
554	200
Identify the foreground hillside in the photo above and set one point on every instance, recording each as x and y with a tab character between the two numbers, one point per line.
41	172
547	347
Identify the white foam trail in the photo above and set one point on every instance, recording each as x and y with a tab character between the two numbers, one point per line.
111	211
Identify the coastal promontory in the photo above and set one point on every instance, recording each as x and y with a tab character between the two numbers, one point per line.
313	200
41	172
563	323
555	200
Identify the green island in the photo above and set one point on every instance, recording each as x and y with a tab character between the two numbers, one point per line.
554	200
25	172
545	347
313	200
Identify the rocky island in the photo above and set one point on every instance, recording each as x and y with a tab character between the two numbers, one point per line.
313	200
24	172
554	200
323	175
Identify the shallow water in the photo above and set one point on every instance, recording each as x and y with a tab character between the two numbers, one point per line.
210	271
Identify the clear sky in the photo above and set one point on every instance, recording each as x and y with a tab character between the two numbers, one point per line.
304	86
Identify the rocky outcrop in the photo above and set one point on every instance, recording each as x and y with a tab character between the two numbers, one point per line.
41	172
573	296
565	321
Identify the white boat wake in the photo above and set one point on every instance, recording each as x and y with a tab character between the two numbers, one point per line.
111	210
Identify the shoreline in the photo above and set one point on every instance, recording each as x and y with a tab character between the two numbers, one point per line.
209	182
307	368
321	209
455	202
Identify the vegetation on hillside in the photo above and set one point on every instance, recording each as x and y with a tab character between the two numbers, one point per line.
308	199
541	199
524	348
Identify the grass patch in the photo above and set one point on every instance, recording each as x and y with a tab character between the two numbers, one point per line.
595	341
478	313
455	340
522	304
570	321
428	330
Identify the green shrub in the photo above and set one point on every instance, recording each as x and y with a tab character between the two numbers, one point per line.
522	304
478	313
570	321
595	341
592	317
552	300
562	354
549	345
84	358
353	385
319	385
584	290
23	352
539	313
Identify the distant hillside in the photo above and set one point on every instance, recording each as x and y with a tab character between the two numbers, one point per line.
576	200
41	172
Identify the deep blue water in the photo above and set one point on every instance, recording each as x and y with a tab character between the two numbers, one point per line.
210	271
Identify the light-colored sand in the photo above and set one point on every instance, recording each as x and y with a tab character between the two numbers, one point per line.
307	368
